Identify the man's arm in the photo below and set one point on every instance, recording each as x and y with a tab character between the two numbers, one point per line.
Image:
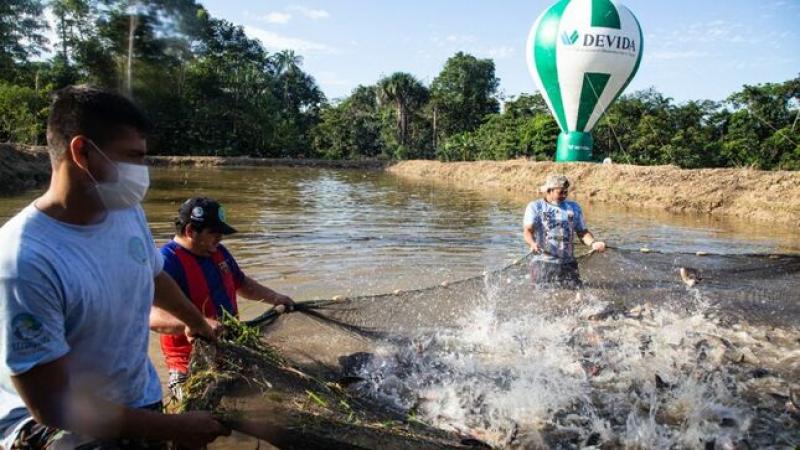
588	239
582	231
527	234
528	224
164	322
253	290
173	313
52	400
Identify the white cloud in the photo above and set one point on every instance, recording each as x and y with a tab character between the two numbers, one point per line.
277	17
460	38
713	31
673	55
468	43
311	13
425	54
452	40
276	41
501	52
329	78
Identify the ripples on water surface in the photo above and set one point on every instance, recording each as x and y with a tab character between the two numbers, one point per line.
315	233
318	233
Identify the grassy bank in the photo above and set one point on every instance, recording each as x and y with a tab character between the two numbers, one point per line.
763	196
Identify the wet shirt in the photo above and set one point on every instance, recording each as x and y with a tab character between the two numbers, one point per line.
554	228
85	291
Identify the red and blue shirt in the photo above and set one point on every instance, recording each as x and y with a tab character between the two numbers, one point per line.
209	282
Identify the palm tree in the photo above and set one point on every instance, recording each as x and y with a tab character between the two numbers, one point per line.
287	68
287	61
407	94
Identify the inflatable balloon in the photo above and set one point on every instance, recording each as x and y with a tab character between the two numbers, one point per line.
582	54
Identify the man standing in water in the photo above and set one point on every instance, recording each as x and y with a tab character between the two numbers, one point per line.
208	274
548	228
78	276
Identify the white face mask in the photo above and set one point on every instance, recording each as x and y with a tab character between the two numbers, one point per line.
131	186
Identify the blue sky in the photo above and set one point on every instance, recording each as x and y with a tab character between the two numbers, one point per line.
699	49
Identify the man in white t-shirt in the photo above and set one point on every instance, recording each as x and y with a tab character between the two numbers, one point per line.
79	274
549	227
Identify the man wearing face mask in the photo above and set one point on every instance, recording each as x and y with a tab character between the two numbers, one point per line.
208	274
78	276
549	227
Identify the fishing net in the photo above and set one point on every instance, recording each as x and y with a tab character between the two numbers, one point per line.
654	351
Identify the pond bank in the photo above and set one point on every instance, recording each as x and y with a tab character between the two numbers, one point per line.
767	197
246	161
22	168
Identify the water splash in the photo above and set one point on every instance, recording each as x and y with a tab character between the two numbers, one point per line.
595	375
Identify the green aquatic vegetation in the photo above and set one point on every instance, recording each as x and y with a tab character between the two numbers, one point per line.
237	356
316	398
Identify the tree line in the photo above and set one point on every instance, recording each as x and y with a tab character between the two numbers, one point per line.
211	90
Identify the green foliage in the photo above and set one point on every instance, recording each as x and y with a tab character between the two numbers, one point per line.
21	26
22	113
405	96
463	94
524	129
211	90
351	129
461	147
755	127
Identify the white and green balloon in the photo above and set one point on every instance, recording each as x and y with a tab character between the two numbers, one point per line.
582	54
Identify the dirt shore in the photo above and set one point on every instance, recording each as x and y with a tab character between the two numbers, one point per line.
22	168
211	161
767	197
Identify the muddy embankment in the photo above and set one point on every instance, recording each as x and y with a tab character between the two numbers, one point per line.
245	161
767	197
22	168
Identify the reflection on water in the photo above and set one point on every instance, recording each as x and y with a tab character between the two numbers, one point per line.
318	232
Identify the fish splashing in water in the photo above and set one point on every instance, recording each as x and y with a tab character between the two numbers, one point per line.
644	377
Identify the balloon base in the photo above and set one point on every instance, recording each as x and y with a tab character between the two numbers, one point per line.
574	146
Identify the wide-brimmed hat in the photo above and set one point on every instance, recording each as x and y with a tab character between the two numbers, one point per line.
555	182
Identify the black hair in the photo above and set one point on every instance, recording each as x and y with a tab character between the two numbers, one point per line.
180	226
95	113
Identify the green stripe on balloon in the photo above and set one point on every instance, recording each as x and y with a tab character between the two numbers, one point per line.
638	61
545	58
605	14
593	86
